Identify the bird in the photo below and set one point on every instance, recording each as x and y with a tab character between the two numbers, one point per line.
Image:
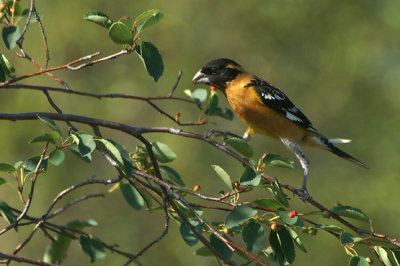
267	110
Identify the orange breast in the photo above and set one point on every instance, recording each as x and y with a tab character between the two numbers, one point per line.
248	106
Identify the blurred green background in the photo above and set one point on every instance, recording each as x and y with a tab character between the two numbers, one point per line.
338	60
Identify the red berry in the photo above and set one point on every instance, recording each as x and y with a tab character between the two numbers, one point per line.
293	214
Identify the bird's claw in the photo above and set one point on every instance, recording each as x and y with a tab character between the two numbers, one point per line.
303	194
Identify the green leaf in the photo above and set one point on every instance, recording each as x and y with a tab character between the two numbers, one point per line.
74	149
85	142
347	238
221	247
120	33
31	164
383	255
145	14
25	15
239	215
277	160
150	21
152	59
223	175
92	247
162	152
128	22
56	157
57	250
48	137
254	236
296	239
187	234
2	181
99	18
330	228
7	213
119	154
132	196
5	167
284	217
277	192
80	224
172	174
6	65
10	35
269	204
241	146
358	261
250	177
351	212
282	243
50	123
203	251
198	95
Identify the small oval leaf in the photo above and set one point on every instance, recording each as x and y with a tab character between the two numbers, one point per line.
254	236
99	18
5	167
56	157
269	204
120	33
250	177
239	215
223	175
172	174
92	247
162	152
152	59
150	21
241	146
10	35
351	212
132	196
187	234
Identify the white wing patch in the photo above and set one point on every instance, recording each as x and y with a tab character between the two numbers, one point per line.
267	96
292	117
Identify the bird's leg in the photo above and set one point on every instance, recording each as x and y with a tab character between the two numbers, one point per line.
248	133
295	148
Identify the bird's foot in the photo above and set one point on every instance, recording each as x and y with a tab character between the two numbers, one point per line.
303	194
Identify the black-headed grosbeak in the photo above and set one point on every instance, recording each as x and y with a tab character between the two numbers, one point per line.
267	110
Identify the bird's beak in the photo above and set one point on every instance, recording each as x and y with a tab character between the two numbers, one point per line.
200	77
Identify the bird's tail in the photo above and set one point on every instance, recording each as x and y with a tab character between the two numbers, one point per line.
335	150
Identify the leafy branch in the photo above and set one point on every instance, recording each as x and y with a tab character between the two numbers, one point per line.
143	175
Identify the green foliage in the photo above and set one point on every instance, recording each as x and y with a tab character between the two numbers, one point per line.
132	196
250	177
5	167
188	235
10	35
125	31
57	250
7	214
239	215
214	110
223	175
163	153
351	212
241	146
99	18
254	236
92	247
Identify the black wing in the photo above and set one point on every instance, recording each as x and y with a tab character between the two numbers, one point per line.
278	101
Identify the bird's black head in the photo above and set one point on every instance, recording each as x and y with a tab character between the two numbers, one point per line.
218	72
